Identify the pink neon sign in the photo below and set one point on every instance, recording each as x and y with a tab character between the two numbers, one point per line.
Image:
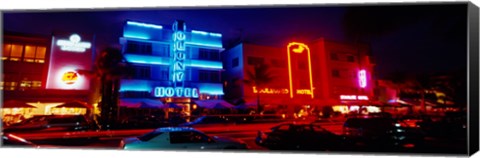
362	78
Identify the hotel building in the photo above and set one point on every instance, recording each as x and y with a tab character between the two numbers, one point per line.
174	67
315	74
42	71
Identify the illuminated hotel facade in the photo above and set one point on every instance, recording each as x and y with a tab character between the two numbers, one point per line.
42	71
315	74
172	66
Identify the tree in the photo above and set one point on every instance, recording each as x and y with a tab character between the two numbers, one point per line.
259	77
110	67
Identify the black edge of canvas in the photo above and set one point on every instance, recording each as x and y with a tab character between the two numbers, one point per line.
473	68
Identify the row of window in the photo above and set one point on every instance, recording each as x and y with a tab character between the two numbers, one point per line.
22	85
144	72
145	48
344	73
25	53
339	56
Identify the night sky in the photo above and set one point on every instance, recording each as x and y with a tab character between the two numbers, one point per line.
417	39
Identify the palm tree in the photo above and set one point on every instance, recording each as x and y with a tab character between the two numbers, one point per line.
259	77
110	67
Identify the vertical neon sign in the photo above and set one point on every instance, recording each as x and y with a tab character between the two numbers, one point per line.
294	49
362	78
179	56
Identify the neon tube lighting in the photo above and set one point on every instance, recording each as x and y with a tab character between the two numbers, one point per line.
200	32
362	78
206	33
204	44
144	25
128	35
300	49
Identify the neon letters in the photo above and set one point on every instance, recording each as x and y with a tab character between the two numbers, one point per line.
179	52
362	78
353	97
74	44
270	91
175	92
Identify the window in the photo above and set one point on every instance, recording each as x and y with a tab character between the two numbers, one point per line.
8	86
30	84
350	58
135	47
254	60
278	63
149	136
283	128
208	76
208	54
26	53
164	50
335	73
235	62
142	72
34	54
333	56
16	52
187	137
164	73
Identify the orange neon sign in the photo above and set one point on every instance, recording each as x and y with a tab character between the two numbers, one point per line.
269	90
299	48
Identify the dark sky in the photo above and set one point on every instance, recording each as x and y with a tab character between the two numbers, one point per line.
419	39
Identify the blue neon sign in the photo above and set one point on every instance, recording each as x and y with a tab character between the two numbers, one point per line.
144	25
175	92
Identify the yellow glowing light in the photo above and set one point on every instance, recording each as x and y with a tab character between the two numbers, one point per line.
300	49
269	90
70	77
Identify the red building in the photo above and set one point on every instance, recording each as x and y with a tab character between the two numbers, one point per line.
306	75
42	71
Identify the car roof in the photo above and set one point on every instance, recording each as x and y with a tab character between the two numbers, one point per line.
174	129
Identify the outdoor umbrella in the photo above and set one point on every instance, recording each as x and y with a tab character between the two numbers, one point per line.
16	104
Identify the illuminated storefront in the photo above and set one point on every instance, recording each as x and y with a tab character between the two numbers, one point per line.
42	71
308	75
172	66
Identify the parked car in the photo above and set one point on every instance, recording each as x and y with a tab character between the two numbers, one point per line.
207	121
47	123
139	122
10	140
301	136
180	138
381	132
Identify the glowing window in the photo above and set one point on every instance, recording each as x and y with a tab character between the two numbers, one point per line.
7	48
16	53
40	54
29	53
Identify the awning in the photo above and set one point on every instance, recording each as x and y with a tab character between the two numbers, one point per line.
214	104
16	104
141	103
74	104
246	106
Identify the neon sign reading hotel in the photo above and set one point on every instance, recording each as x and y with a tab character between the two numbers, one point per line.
295	49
